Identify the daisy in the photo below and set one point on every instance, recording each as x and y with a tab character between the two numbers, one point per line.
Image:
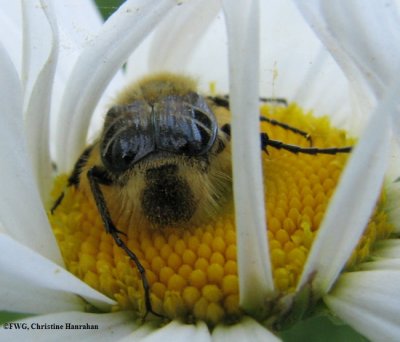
332	258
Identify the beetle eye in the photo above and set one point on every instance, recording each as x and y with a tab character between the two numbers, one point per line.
128	138
200	128
205	127
185	127
118	153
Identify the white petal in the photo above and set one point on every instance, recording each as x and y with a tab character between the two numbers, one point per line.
36	48
176	331
140	333
281	26
111	327
254	266
206	61
178	35
248	330
392	188
11	30
361	181
28	223
28	274
356	33
373	28
41	50
78	22
325	77
294	63
387	249
385	264
369	301
354	199
18	295
95	68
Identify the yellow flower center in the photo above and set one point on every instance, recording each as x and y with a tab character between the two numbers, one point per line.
193	272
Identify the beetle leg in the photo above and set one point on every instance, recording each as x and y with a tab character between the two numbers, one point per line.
288	127
74	178
265	142
223	101
96	178
57	203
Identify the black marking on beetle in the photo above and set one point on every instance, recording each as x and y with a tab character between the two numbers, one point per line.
167	198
